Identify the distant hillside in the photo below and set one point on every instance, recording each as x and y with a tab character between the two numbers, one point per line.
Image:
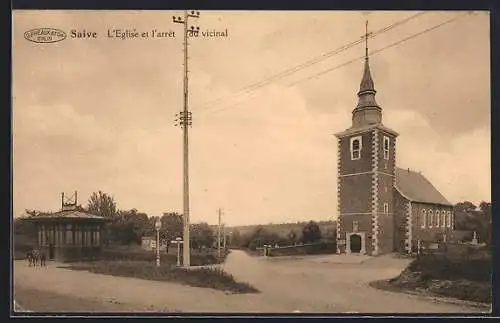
283	229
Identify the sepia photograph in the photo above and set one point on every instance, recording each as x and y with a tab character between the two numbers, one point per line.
251	162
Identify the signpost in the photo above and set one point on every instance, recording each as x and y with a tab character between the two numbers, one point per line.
178	241
157	242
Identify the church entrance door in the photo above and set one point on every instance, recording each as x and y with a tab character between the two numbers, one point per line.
52	251
355	241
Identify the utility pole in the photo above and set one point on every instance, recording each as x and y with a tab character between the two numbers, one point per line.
224	237
185	119
218	233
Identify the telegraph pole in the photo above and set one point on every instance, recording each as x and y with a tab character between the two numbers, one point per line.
185	119
224	237
218	233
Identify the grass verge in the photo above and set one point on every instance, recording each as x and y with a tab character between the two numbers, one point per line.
214	278
466	279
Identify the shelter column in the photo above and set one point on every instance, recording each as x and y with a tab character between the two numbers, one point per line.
98	235
39	234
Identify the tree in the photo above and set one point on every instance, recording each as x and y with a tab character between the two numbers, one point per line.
25	228
101	204
261	236
292	236
235	239
484	221
470	218
130	226
202	235
311	232
171	226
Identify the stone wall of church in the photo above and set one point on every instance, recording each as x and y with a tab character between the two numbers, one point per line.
386	233
385	182
355	194
364	164
429	233
386	165
385	216
400	211
355	190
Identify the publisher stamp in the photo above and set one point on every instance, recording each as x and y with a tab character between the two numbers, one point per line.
45	35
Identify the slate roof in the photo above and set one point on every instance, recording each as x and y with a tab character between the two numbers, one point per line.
415	187
67	214
353	130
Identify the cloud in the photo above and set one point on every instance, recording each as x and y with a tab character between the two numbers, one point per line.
92	115
459	166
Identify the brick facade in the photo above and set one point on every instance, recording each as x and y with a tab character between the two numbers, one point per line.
367	194
431	233
385	183
355	179
365	190
401	209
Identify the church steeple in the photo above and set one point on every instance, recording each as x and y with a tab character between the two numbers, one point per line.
367	111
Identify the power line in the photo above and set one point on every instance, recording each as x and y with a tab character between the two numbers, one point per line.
254	86
355	59
378	50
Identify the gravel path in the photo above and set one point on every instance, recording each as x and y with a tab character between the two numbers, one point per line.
287	286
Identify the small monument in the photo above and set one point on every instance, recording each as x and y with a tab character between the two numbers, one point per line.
474	238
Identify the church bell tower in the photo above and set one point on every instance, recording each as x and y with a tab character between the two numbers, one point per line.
365	175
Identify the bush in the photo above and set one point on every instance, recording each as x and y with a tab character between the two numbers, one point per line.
462	289
442	267
466	277
135	254
202	277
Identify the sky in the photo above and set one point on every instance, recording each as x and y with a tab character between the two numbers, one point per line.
98	114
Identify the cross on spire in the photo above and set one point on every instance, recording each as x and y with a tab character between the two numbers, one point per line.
367	110
367	34
366	85
366	39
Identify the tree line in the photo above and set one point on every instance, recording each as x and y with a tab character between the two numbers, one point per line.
260	236
129	226
474	218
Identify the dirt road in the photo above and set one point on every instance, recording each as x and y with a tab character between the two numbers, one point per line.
287	285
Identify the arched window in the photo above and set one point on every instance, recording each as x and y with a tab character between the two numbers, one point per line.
448	222
356	146
430	219
438	218
386	147
424	218
443	219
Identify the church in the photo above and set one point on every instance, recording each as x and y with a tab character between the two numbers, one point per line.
383	208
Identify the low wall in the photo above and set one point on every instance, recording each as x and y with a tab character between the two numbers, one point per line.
305	249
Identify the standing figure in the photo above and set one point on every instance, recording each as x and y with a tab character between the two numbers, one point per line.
35	257
29	258
43	258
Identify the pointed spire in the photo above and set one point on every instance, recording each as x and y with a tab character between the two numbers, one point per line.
366	94
367	86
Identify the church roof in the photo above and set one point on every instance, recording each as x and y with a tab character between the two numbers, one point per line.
353	130
415	187
66	214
